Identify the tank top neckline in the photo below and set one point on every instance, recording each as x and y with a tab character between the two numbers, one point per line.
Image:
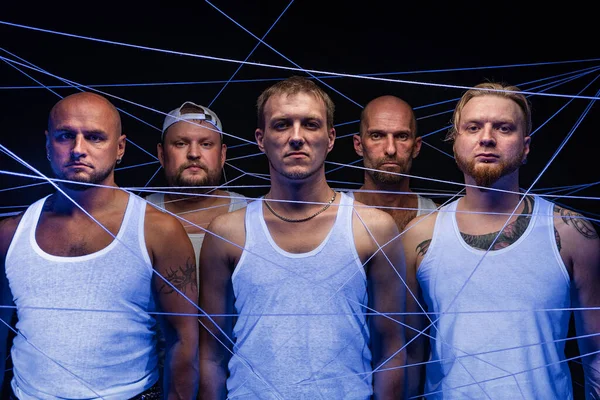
316	250
116	239
452	210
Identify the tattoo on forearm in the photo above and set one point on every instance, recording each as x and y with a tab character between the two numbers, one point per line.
510	234
423	247
181	278
557	237
577	221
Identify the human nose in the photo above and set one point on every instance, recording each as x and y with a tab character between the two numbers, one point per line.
487	138
297	136
390	146
78	149
193	151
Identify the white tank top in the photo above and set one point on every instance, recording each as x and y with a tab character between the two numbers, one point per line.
85	331
236	202
503	314
301	331
425	205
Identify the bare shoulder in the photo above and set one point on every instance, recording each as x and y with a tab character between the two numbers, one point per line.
374	220
417	237
576	237
161	223
228	228
420	226
573	223
8	227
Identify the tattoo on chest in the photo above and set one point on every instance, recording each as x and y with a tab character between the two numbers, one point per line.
557	237
502	239
181	278
577	221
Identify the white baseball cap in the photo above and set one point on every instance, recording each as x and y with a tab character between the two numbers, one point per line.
207	115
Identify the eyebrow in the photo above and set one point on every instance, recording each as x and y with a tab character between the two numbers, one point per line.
88	132
301	117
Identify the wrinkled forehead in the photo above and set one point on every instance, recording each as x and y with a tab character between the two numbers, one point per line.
393	118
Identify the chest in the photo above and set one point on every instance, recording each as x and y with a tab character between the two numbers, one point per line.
402	217
300	237
194	221
74	237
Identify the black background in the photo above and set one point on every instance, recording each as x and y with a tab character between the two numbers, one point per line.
513	42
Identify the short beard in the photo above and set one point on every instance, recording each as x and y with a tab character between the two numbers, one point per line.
295	175
485	175
195	184
384	177
95	178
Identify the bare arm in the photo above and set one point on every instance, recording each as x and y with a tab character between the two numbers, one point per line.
217	260
416	239
385	274
173	258
7	231
580	248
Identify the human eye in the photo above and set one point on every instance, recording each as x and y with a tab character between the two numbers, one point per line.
312	124
280	125
472	128
402	136
179	143
375	135
207	145
505	128
95	138
64	136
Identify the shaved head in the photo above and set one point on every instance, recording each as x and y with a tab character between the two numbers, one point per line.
86	100
387	104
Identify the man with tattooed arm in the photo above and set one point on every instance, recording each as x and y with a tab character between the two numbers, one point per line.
88	266
500	272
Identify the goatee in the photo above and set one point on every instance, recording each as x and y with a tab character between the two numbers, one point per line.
486	174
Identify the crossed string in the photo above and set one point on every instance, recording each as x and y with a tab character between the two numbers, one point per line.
343	75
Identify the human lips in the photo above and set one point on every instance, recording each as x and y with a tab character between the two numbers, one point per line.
389	164
296	154
78	164
193	166
487	157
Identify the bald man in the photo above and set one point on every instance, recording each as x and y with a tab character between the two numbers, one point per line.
388	143
88	266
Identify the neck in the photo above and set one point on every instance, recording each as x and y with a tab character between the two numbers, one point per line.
381	194
313	189
502	196
89	199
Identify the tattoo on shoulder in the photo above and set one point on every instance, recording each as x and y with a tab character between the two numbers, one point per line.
557	237
181	278
423	247
577	221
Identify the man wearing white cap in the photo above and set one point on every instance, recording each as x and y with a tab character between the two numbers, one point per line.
192	154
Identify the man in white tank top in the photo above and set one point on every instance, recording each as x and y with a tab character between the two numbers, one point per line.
388	144
75	310
500	272
296	221
192	154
